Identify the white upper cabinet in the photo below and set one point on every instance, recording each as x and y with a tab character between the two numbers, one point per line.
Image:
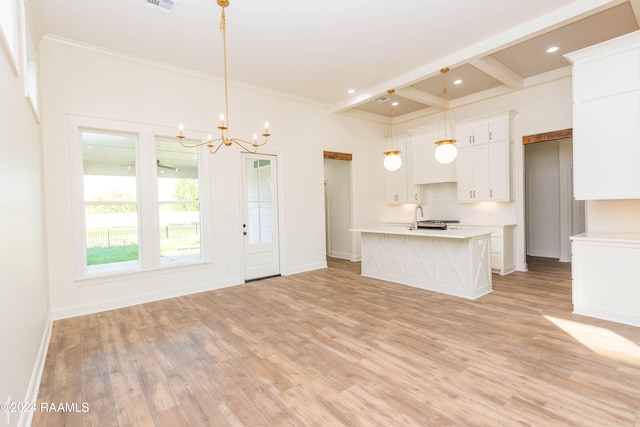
426	170
399	186
606	124
484	163
474	133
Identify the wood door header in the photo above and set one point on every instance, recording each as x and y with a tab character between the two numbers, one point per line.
548	136
337	156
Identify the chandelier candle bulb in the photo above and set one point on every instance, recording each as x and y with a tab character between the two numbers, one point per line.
221	120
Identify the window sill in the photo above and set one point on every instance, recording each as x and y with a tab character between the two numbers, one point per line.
116	276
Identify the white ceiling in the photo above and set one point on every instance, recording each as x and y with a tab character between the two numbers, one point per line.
319	49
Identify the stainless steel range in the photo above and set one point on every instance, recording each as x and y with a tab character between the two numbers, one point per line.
436	224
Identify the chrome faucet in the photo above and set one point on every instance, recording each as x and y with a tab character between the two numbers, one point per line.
415	216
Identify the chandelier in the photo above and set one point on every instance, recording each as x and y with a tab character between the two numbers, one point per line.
224	139
392	160
445	151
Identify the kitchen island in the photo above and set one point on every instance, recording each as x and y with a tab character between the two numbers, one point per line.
454	262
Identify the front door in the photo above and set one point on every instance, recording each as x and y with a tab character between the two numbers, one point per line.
260	216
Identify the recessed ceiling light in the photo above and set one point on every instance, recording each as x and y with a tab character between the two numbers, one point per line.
394	103
351	91
457	82
553	49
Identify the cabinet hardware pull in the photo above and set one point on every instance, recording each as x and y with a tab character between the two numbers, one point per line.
491	193
474	194
490	136
470	194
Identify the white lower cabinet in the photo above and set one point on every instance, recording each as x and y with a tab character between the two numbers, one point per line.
605	269
503	245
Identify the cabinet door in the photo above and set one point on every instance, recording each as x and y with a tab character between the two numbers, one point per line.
413	189
499	171
464	174
472	172
606	151
464	135
426	169
480	172
396	184
471	134
499	129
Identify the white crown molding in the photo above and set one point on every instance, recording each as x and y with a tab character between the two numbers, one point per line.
180	70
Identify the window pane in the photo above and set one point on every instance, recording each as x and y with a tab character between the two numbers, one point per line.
112	237
179	198
179	232
111	213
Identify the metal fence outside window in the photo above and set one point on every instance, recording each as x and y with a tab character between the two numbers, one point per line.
121	236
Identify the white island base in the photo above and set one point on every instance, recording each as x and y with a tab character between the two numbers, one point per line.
454	262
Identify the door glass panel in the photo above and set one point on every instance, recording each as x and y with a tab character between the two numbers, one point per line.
179	202
259	205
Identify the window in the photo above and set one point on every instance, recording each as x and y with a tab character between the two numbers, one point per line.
137	196
110	202
32	75
178	201
9	30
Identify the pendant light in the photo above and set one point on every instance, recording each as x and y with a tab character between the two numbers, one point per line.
392	160
445	152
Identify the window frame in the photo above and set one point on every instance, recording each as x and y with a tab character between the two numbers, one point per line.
146	194
31	69
11	42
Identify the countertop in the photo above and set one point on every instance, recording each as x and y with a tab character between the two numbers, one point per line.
602	236
404	231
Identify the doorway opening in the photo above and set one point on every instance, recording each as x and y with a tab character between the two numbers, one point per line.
552	214
337	205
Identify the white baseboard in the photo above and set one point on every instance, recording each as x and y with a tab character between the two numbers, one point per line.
83	309
341	255
36	374
611	315
305	267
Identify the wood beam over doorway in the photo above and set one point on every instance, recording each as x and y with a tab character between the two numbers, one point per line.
337	156
548	136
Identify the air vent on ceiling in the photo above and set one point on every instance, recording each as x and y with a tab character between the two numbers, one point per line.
381	99
163	5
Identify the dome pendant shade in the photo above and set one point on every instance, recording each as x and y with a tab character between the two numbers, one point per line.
446	152
392	161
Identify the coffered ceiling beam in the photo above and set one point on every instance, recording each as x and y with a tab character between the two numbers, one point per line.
635	6
498	71
421	97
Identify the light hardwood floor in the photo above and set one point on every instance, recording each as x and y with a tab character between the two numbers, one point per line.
332	348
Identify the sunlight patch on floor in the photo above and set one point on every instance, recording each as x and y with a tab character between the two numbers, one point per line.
600	340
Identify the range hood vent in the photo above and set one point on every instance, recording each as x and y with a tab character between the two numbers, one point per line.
163	5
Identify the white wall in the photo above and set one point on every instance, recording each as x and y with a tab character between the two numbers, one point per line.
542	188
337	175
618	216
24	313
89	82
